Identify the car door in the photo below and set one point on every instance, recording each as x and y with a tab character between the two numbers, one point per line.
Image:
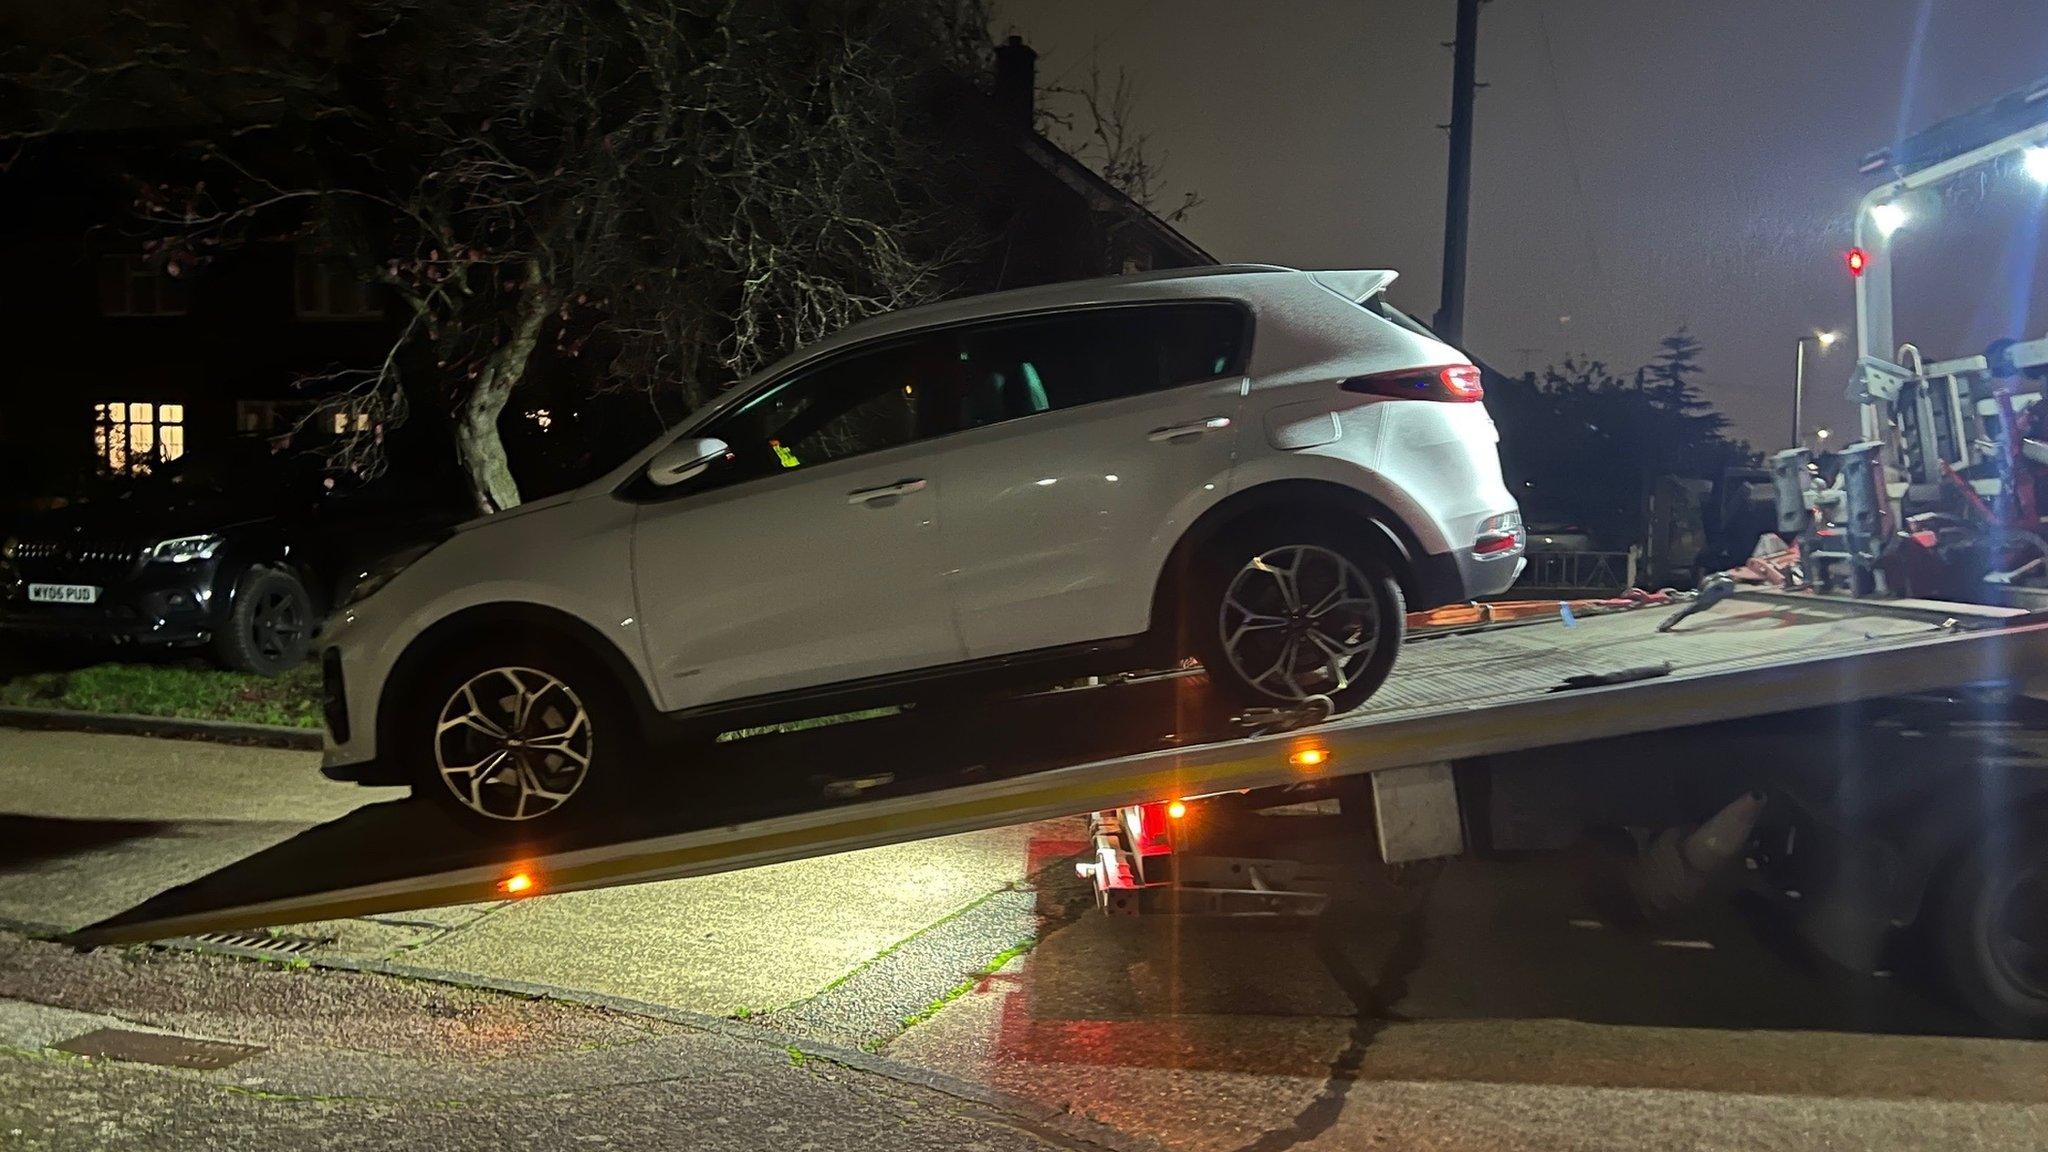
1088	439
810	554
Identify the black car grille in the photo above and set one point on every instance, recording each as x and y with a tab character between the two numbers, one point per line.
75	561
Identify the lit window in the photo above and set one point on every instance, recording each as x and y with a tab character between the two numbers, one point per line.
132	437
329	290
138	286
342	423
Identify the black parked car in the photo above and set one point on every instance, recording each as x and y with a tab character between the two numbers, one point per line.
242	552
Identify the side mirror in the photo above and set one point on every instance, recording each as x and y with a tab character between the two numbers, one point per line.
683	460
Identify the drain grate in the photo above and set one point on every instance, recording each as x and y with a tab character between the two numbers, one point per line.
157	1048
274	944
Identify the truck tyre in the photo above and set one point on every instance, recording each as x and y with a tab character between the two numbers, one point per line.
1990	927
1285	611
517	736
269	629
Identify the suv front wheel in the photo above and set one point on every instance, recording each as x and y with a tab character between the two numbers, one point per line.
1286	612
514	735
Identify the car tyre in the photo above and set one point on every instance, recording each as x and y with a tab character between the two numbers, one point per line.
1284	612
515	737
1989	927
269	629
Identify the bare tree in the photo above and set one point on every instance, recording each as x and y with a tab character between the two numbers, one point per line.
673	190
1099	131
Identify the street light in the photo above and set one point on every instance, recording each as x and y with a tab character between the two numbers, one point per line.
1888	217
1826	340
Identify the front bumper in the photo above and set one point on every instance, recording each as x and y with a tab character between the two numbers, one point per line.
343	757
351	679
139	603
113	620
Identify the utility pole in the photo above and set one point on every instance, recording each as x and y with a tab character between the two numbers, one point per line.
1450	313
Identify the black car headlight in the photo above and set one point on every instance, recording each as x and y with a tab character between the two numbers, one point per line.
184	549
383	572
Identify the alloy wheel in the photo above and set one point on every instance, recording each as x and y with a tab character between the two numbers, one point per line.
277	626
513	743
1298	621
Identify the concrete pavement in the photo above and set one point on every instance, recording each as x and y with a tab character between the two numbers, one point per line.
1481	1006
339	1060
94	824
108	821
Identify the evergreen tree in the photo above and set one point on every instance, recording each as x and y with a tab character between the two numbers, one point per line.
1580	443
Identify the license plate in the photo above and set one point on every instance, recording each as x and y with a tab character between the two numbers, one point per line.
63	593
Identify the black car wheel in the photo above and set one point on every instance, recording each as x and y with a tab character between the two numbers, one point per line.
1990	926
270	629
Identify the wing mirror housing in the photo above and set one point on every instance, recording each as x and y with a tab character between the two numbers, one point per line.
684	460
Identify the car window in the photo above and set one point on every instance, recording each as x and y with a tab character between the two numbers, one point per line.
1023	367
854	404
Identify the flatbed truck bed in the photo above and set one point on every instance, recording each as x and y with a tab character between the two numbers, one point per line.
1478	692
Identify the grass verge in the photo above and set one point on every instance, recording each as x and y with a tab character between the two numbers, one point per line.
183	691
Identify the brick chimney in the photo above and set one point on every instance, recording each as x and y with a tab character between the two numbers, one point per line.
1016	85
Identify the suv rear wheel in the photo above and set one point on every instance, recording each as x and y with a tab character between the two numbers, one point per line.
269	631
515	735
1285	612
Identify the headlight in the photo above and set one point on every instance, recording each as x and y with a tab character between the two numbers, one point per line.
185	549
381	573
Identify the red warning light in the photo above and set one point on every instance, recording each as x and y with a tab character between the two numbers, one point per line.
1858	258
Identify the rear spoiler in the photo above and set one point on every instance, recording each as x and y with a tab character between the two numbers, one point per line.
1357	285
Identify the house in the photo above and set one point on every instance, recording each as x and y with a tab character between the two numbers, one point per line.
1066	222
121	363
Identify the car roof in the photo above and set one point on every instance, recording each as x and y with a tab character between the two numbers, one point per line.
1137	285
1177	283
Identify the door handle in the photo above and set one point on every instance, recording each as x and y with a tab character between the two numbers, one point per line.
1196	428
899	488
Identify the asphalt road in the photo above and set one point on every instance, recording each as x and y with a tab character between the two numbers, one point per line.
975	997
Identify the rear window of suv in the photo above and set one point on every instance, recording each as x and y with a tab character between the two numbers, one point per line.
1047	363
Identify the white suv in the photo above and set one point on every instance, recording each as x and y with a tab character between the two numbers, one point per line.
1254	466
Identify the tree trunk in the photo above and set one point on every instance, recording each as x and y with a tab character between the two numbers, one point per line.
482	451
477	443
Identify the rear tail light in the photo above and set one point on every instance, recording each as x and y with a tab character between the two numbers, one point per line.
1499	535
1456	383
1146	824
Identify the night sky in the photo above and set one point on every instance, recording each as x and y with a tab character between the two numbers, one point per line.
1639	164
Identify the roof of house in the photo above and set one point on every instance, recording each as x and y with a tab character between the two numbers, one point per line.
1107	198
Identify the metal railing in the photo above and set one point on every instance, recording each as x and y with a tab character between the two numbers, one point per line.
1606	572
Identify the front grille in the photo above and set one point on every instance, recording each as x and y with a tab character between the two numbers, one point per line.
333	700
75	561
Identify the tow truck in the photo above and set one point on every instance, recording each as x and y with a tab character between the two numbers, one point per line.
1498	712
